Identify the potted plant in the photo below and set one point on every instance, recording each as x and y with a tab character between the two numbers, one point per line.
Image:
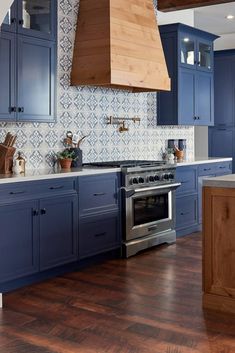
65	158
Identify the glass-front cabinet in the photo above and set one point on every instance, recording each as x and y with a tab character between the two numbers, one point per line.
35	18
187	50
195	52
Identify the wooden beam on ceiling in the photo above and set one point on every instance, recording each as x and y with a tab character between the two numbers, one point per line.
173	5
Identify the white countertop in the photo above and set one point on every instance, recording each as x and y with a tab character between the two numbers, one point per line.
44	174
202	160
224	181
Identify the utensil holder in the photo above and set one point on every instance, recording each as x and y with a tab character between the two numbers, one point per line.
77	163
6	159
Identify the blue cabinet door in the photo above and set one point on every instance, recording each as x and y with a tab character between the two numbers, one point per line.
7	77
186	97
204	108
19	240
37	21
36	80
224	91
58	231
221	142
98	234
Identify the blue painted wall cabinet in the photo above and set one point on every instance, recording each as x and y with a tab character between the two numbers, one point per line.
222	135
189	56
28	63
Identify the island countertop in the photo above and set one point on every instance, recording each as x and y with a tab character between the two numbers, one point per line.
224	181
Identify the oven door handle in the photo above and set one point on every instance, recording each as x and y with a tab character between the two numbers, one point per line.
129	193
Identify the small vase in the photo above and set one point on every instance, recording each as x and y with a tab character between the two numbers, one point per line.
65	163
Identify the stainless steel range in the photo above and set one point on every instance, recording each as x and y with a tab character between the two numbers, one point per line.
148	201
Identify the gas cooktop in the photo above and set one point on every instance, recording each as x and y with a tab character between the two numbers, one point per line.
127	164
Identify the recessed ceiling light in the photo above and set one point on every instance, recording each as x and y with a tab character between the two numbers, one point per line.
186	39
230	17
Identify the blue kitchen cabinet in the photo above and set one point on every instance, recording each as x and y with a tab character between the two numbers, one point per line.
221	137
28	62
98	234
36	80
58	231
189	194
189	57
19	240
99	214
224	88
28	18
7	74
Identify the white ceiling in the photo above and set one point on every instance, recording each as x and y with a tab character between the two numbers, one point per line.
208	18
213	18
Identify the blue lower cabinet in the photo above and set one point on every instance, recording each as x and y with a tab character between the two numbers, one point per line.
19	240
98	193
187	176
58	231
98	234
186	214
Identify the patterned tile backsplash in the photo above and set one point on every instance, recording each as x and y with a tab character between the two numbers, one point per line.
84	111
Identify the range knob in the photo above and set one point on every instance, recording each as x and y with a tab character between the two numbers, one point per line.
156	178
141	180
135	181
166	176
171	176
151	178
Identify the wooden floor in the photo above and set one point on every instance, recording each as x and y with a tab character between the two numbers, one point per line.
148	304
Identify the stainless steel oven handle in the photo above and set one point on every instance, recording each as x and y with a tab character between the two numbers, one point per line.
159	187
131	192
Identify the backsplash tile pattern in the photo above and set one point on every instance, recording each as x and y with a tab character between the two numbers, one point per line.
84	111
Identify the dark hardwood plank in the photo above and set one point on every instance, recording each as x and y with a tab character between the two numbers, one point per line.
150	303
173	5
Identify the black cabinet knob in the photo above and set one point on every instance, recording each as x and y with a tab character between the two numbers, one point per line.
21	109
35	213
43	211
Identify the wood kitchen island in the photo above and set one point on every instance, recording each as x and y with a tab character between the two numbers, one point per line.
219	243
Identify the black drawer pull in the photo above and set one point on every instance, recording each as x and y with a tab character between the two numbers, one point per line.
56	187
222	167
17	192
100	234
184	213
43	211
100	194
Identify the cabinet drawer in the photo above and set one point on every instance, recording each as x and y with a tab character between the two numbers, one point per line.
187	176
186	211
224	168
207	169
10	192
97	193
99	234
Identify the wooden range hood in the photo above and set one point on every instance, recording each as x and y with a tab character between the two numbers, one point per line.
118	45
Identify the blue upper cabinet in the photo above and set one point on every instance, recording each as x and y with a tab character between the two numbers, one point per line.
189	56
28	49
7	74
36	98
36	18
224	88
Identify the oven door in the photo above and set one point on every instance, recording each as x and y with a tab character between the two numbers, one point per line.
149	210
